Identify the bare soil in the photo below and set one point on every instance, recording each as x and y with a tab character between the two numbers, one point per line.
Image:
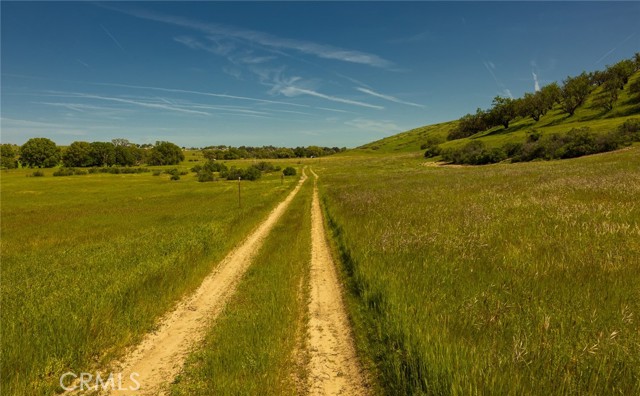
333	365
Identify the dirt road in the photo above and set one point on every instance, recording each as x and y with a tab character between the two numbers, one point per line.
161	355
333	367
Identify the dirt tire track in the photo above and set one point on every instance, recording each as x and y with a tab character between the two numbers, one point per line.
161	354
333	368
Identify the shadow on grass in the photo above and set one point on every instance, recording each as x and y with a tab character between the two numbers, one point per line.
635	110
503	131
567	119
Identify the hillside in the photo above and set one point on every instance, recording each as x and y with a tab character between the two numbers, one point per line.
555	121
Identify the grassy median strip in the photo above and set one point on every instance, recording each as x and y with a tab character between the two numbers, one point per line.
505	279
251	350
89	263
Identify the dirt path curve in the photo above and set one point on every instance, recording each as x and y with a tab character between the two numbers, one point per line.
333	366
161	355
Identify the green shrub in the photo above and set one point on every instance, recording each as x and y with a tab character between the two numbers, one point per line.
575	143
157	172
289	171
205	176
215	166
512	149
432	150
175	177
630	130
196	169
533	135
431	141
140	170
264	166
232	173
474	153
116	170
38	173
252	173
64	172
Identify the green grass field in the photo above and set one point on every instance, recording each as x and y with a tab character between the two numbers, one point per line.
252	348
89	262
504	279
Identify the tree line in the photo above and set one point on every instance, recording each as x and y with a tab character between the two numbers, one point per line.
575	143
267	152
44	153
570	96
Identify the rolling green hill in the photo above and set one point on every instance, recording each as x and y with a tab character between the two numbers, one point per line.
555	121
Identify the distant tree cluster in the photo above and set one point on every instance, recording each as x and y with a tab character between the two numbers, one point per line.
570	96
8	156
118	152
165	153
44	153
267	152
575	143
206	172
40	153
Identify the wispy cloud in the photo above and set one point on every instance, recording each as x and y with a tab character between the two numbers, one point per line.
112	38
536	84
178	105
16	130
216	47
227	109
606	55
292	112
291	91
373	125
267	40
79	107
491	67
353	80
296	86
416	38
216	95
13	122
334	110
233	72
254	60
139	103
83	63
387	97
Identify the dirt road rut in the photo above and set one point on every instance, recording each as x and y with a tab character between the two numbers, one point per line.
333	367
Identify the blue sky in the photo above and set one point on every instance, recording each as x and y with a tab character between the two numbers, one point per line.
287	74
